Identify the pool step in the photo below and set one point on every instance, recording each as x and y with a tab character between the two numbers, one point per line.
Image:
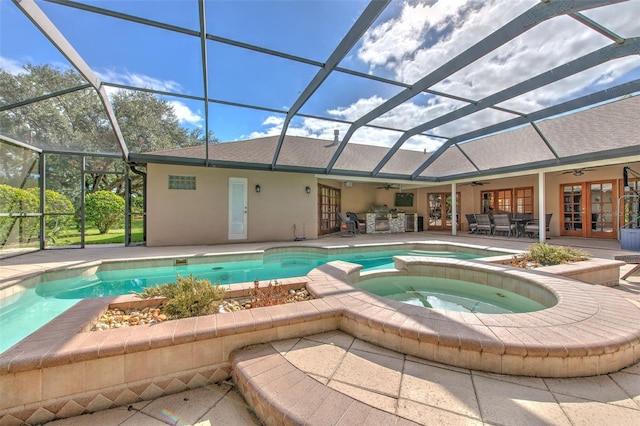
281	394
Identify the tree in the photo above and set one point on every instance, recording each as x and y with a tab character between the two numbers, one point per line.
77	121
73	121
104	209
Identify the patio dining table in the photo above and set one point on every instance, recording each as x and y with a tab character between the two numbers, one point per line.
520	224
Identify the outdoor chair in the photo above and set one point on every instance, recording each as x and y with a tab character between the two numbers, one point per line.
632	259
532	228
361	225
502	223
484	224
473	224
347	226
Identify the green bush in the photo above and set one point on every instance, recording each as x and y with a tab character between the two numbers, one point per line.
104	209
546	255
188	297
56	205
18	201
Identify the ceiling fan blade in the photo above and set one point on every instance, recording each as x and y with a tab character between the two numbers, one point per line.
578	172
388	186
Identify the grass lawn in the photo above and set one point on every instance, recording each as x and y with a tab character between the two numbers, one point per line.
71	237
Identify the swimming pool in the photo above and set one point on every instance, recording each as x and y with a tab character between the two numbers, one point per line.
270	267
23	313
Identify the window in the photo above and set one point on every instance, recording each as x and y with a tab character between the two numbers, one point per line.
182	182
508	200
524	200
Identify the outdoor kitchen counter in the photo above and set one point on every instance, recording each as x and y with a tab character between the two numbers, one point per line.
385	223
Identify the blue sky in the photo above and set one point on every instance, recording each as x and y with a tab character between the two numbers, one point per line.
407	41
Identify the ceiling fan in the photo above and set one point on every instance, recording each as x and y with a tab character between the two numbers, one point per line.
577	172
388	186
476	183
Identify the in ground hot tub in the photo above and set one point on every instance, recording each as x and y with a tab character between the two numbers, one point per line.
449	294
583	330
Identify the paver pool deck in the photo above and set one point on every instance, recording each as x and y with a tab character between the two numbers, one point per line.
338	374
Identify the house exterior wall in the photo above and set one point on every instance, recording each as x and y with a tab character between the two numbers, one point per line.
357	198
200	216
471	200
187	217
361	196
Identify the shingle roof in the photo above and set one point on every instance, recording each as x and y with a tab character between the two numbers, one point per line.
303	152
602	128
609	126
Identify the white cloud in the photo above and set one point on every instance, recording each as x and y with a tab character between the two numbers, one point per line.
273	121
185	114
182	110
10	66
357	109
324	129
139	80
16	66
426	35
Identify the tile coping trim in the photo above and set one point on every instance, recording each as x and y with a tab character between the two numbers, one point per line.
589	331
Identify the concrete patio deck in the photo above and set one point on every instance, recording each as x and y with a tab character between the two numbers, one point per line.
358	376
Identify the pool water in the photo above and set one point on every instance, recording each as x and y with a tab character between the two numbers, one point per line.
23	313
448	294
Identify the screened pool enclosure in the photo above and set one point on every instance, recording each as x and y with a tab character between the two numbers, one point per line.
92	92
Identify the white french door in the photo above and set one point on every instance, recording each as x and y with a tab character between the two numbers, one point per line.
237	208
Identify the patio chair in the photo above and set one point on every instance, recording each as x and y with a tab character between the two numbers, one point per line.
347	226
473	224
484	224
361	225
632	259
532	228
502	223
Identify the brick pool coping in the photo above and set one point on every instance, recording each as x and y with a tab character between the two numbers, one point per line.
61	371
589	331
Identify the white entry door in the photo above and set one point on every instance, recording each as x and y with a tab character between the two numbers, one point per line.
237	208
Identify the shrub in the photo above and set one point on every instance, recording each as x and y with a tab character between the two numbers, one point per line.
104	209
18	201
57	204
188	297
546	255
273	294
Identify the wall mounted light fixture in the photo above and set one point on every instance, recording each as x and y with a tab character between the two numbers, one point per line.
258	188
307	190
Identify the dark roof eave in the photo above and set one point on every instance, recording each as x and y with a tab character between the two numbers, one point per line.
527	167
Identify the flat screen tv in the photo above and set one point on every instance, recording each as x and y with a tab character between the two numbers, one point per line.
404	199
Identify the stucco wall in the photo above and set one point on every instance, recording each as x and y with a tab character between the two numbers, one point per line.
200	216
186	217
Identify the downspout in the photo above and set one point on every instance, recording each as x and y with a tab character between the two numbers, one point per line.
132	167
